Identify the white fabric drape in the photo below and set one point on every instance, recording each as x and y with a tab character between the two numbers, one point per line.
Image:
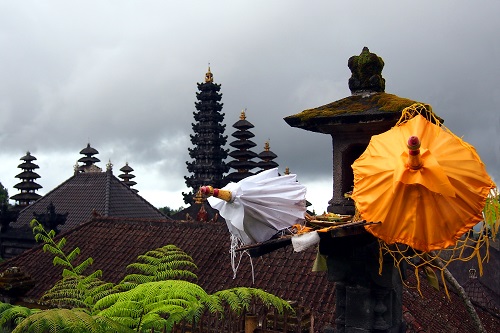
261	205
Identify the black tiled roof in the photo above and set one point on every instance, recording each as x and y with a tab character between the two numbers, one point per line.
114	243
84	193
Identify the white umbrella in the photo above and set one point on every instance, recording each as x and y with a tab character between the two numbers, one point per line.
257	207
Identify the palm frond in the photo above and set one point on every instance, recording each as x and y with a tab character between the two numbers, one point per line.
165	263
73	254
175	274
148	268
239	298
13	313
175	264
83	266
77	291
65	320
171	300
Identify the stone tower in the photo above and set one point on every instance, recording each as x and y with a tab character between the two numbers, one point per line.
27	186
208	154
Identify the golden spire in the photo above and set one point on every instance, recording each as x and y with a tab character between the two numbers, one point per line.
243	116
198	198
109	166
209	78
266	145
287	171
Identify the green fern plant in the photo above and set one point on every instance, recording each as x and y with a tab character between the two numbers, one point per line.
66	320
165	263
60	258
77	292
154	299
161	304
12	315
239	299
74	289
156	304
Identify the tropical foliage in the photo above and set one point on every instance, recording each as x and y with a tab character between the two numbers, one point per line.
170	211
4	195
165	263
159	293
74	289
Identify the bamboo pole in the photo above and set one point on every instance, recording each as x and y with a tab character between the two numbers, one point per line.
462	294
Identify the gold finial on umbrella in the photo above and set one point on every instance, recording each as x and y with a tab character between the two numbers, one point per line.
414	158
218	193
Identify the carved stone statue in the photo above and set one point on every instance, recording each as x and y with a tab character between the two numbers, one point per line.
50	219
366	72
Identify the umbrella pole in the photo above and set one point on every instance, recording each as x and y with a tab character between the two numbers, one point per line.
461	292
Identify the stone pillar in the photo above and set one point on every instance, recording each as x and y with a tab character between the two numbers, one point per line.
365	300
346	150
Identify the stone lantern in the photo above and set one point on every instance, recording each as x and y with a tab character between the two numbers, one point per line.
366	301
352	121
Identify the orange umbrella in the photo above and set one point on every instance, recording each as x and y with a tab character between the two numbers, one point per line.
426	185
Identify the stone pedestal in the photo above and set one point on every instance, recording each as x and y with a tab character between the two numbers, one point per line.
366	301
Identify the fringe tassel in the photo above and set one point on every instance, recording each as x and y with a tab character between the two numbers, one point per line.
236	243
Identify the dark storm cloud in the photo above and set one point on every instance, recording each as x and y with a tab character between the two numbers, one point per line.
122	76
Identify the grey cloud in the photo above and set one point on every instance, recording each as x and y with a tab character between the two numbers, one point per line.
123	76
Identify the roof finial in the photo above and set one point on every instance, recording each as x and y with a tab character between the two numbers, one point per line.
266	145
209	78
109	166
199	198
243	115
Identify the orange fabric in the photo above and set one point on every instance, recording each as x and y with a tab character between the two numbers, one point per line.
429	208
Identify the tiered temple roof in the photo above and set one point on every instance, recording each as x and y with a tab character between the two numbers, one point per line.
208	154
267	157
126	176
88	160
242	163
27	186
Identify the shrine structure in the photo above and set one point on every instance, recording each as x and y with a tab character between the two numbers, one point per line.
366	301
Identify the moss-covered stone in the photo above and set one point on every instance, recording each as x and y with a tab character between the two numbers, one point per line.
366	72
356	104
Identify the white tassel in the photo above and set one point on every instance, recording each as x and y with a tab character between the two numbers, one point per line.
236	243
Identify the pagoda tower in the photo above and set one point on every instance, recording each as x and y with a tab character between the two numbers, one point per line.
126	177
88	160
208	154
267	157
27	186
242	155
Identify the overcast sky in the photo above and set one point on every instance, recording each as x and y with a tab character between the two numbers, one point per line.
122	75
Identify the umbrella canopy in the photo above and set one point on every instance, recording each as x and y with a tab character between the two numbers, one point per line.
426	185
258	207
